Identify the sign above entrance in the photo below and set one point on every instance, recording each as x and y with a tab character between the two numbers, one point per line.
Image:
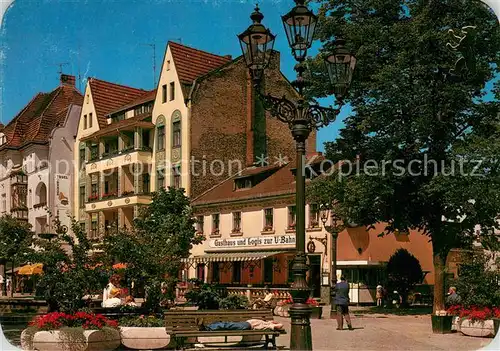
257	241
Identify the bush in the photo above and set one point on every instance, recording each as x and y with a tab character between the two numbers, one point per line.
234	302
142	321
206	297
404	272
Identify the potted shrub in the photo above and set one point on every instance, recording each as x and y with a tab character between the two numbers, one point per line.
80	331
317	310
475	321
441	322
144	333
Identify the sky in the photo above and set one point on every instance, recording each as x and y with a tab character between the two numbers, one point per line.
111	40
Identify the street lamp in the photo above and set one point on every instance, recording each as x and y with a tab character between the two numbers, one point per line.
302	117
334	228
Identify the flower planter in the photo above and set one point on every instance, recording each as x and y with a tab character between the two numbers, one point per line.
317	312
142	338
441	324
477	328
73	339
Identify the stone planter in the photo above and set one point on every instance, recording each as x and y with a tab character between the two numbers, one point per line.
477	328
141	338
72	339
441	324
317	312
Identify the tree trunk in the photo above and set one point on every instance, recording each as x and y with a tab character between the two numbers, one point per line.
439	275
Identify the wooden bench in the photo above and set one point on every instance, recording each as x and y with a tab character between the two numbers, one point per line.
183	327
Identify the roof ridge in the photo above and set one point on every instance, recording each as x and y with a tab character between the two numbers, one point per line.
195	49
90	79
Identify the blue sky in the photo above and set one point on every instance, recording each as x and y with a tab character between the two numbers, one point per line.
107	39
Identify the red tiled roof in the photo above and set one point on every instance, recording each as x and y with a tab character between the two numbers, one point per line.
108	97
192	63
281	182
142	99
35	122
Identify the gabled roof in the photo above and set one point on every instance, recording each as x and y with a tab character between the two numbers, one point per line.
108	97
192	63
35	122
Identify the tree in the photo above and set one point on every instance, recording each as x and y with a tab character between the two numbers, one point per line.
422	144
404	272
68	274
162	235
15	240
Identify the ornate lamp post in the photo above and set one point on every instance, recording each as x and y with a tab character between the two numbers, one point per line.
257	44
334	228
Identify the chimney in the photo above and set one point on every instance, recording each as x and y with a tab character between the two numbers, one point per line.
67	79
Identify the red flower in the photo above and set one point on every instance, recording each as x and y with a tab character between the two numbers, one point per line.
58	320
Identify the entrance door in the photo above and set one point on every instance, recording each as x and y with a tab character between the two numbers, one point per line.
315	274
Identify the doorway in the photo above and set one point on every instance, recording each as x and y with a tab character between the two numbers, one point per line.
315	275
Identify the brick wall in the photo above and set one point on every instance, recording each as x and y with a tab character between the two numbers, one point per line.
222	109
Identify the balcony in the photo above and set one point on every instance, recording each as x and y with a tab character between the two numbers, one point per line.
125	157
130	199
20	212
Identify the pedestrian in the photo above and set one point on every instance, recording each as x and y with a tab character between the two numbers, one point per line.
8	285
380	295
342	302
453	298
1	284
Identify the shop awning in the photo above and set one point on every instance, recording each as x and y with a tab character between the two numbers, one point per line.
36	268
230	256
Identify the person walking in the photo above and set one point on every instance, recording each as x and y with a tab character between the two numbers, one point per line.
342	302
380	295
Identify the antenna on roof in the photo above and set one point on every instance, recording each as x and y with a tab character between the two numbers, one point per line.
154	63
61	67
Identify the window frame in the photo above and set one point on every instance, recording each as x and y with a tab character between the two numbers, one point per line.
171	94
176	134
236	222
164	93
160	174
160	138
268	225
215	220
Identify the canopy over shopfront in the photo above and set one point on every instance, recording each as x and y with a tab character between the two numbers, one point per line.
32	269
229	257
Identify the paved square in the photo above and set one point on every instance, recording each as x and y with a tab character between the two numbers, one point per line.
383	332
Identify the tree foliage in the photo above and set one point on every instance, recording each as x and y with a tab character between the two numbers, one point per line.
404	272
162	235
69	270
15	238
409	111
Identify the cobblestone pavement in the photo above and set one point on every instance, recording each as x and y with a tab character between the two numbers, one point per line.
383	332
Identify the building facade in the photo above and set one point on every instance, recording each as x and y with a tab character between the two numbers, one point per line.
36	157
249	225
200	126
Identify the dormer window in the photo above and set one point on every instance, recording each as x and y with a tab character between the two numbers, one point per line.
242	183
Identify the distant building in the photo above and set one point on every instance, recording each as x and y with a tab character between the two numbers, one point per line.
36	157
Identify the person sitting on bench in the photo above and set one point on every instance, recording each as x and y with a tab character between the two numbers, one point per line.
266	302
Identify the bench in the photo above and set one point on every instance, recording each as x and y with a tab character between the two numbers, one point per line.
183	327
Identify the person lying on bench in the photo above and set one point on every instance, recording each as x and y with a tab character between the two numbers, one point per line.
251	324
266	302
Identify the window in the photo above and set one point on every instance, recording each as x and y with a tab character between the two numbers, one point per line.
176	134
176	177
200	271
215	272
168	65
200	224
164	93
172	91
82	196
313	216
268	219
146	185
160	175
161	138
90	120
215	224
118	117
82	156
84	121
268	270
93	233
94	193
94	152
243	183
236	222
236	272
291	217
82	227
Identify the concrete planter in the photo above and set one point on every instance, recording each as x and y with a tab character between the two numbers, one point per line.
72	339
477	328
142	338
441	324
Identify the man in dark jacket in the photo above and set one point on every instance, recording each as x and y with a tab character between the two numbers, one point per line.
342	302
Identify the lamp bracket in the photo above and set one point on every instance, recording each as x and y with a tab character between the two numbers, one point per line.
323	240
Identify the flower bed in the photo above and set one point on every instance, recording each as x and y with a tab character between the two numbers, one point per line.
475	321
79	331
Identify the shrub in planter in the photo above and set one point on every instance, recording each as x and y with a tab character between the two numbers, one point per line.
234	302
475	321
144	333
79	331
